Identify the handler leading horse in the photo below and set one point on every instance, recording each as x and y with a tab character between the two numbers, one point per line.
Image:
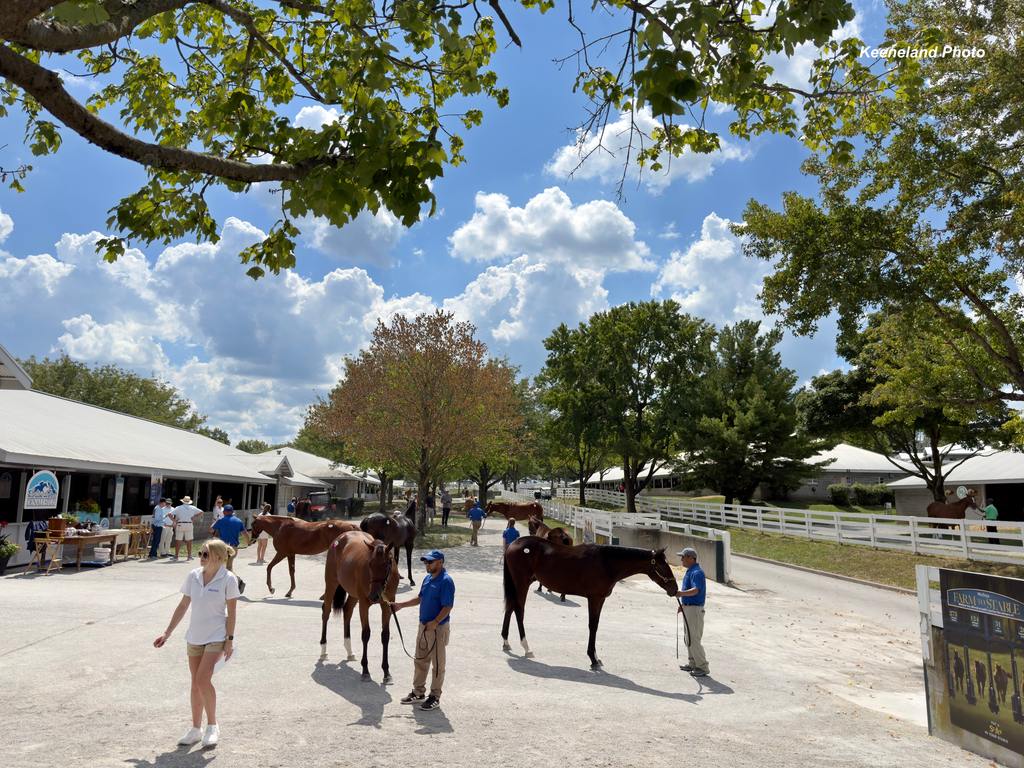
360	569
587	570
297	537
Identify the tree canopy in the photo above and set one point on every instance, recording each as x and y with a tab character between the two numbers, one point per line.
421	397
195	91
120	390
252	446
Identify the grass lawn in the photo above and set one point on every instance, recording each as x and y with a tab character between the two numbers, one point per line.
437	537
882	566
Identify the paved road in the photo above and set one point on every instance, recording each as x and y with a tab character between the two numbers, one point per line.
796	679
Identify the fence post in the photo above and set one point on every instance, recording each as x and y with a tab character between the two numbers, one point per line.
807	523
965	540
839	527
871	525
913	536
760	520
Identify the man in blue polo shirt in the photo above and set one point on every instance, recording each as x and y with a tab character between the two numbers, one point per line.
436	598
228	529
691	605
476	517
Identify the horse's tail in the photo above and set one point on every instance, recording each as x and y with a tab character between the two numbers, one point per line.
511	598
338	599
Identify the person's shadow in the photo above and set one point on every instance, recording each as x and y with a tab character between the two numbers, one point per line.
431	721
592	677
182	757
345	680
708	685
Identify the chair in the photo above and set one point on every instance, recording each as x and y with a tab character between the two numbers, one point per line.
138	541
52	541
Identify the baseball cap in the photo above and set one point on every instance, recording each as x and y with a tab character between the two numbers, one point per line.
432	555
229	508
688	552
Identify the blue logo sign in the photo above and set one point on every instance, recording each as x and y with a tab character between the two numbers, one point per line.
983	601
43	491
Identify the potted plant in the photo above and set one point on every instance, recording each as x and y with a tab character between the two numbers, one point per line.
7	550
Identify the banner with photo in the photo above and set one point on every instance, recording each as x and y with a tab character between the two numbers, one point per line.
983	618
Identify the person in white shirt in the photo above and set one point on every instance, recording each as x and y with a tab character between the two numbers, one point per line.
218	509
212	592
183	515
167	534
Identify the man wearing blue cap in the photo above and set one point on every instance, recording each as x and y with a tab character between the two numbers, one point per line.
691	604
436	598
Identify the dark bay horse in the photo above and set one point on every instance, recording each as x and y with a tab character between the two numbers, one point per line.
297	537
360	569
396	530
587	570
558	535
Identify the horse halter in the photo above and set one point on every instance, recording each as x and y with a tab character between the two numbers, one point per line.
387	571
663	579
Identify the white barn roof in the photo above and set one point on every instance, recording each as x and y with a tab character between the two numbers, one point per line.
850	458
41	430
279	467
317	466
12	375
998	467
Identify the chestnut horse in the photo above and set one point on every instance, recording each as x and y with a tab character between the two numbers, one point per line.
515	510
587	570
537	527
297	537
360	569
953	511
397	530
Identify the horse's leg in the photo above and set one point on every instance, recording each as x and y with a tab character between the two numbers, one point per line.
408	557
278	557
521	594
291	573
349	607
364	620
510	598
328	599
385	637
594	605
563	597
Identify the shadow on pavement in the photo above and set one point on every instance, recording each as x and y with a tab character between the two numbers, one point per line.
593	677
344	679
182	757
270	600
707	685
431	721
551	597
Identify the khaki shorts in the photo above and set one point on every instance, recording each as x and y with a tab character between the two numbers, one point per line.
199	650
183	531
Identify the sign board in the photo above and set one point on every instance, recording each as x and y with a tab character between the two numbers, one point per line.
983	621
43	491
156	489
961	492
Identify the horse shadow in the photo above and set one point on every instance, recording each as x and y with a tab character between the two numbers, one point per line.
285	601
593	677
551	597
182	757
345	680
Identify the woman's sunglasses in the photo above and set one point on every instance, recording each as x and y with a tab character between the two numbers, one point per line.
204	554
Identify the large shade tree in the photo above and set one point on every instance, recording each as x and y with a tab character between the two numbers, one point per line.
746	435
196	92
920	215
420	397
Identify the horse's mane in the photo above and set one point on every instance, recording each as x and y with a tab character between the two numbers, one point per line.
626	553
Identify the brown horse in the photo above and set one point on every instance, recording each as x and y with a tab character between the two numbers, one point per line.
1002	679
958	671
587	570
515	510
980	676
297	537
956	510
360	569
397	530
558	536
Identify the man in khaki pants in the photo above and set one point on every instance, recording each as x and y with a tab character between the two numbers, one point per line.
691	605
436	598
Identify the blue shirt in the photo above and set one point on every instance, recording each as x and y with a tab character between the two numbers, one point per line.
228	528
159	516
510	535
476	513
291	508
694	577
435	593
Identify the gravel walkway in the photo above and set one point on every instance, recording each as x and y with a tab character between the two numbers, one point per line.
794	682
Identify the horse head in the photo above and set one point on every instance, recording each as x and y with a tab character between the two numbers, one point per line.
661	572
381	559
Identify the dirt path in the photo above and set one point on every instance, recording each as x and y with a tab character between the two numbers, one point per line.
794	681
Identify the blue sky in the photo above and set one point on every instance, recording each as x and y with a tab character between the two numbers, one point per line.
518	246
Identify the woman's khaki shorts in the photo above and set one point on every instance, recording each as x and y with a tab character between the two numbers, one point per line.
199	650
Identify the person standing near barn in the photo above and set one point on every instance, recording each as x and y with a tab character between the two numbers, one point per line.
992	515
510	534
183	514
691	604
476	517
229	529
446	506
157	528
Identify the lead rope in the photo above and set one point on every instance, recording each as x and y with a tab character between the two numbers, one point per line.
401	637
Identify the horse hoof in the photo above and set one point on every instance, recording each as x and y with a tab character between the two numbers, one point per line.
506	647
387	680
351	657
528	655
271	590
287	594
365	677
596	664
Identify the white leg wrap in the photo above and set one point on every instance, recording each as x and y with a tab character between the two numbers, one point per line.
526	648
348	646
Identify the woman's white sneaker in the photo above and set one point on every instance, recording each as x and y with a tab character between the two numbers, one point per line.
212	736
192	736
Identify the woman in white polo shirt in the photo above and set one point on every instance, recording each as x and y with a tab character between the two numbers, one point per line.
212	592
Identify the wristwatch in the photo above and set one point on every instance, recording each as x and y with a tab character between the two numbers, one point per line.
231	637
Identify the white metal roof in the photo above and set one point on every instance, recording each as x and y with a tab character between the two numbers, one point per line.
37	429
317	466
616	475
998	467
279	467
12	375
850	458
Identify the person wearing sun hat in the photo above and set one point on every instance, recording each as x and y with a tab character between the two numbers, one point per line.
183	514
436	599
691	597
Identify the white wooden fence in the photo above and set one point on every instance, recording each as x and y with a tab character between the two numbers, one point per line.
967	539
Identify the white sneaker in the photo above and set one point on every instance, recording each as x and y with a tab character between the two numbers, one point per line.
212	736
192	736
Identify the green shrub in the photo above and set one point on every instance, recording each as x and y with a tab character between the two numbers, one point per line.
874	495
840	494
